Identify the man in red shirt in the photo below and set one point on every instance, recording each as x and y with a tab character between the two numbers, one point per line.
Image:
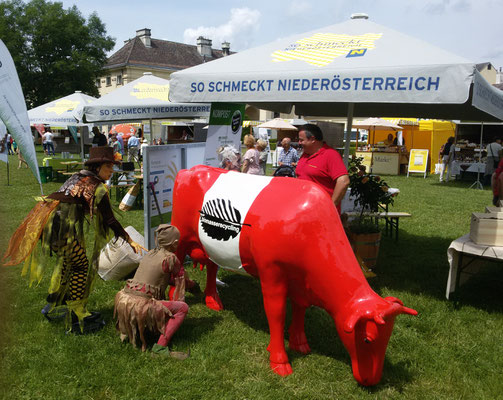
322	164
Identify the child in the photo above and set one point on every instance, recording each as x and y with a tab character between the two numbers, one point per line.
141	304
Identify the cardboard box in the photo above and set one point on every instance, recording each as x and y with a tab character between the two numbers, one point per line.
497	210
487	229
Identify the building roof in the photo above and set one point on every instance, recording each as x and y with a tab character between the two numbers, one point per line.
484	65
162	54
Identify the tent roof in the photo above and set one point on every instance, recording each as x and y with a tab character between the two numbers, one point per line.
382	124
144	98
278	124
381	71
60	112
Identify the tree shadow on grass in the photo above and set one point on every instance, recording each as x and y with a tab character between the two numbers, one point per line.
243	297
192	329
419	265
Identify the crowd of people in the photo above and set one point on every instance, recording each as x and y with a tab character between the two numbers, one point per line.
142	303
492	170
318	162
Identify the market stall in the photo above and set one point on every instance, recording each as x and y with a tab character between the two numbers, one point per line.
385	157
429	134
385	160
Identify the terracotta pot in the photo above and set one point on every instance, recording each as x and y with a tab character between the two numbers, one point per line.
366	246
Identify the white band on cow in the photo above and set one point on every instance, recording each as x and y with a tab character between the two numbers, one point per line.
223	213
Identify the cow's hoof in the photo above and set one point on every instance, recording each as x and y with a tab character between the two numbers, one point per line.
300	347
214	303
281	369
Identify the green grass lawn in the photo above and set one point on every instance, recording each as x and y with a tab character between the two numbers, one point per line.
449	351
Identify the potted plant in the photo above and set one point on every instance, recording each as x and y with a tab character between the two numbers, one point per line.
370	193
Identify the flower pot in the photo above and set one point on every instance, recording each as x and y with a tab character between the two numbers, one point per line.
366	245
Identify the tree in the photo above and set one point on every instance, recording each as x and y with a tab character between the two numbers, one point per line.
56	51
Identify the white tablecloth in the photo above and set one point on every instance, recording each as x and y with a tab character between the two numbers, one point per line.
348	202
473	167
471	250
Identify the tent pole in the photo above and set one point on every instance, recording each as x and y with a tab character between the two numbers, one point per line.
349	127
8	181
82	142
477	183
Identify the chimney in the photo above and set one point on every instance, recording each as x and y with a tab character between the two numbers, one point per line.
226	48
359	16
204	47
144	35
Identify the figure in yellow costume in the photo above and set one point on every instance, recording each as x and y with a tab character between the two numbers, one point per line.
58	222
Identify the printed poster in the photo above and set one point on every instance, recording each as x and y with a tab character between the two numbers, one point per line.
225	127
418	161
164	162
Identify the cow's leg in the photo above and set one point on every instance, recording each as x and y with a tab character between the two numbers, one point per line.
297	335
274	292
210	292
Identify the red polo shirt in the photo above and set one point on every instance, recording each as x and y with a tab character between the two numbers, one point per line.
322	167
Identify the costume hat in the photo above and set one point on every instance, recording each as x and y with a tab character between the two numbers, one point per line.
101	155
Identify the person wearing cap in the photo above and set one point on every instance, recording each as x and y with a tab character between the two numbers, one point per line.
58	222
142	303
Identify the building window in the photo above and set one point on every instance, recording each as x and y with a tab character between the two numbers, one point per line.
109	81
98	82
119	79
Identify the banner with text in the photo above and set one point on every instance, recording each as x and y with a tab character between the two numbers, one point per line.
13	111
160	167
226	120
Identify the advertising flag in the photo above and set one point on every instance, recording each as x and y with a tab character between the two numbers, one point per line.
13	109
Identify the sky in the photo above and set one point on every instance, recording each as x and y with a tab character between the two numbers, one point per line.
469	28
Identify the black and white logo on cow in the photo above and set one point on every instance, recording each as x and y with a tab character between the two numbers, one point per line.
220	220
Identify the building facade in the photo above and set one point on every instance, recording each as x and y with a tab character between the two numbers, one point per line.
160	57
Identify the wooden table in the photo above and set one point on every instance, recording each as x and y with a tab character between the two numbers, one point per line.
71	164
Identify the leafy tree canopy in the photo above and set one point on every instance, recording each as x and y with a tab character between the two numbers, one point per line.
56	51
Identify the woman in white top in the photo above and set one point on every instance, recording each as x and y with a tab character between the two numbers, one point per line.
251	157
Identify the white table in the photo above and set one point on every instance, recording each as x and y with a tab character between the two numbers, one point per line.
466	258
472	167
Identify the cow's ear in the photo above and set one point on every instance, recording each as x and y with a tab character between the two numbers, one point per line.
351	322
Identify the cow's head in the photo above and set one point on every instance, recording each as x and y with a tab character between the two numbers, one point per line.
365	333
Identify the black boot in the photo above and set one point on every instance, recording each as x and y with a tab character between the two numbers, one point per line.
90	324
54	313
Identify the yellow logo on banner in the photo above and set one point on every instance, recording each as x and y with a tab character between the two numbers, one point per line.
322	48
62	106
150	91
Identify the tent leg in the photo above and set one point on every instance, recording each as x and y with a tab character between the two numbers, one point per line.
82	142
8	174
477	184
349	126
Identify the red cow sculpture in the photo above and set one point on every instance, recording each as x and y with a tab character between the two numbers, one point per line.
287	233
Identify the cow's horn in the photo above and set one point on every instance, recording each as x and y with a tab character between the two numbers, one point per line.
407	310
351	322
379	319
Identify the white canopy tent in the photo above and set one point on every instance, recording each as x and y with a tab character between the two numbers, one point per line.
145	98
60	113
355	68
373	123
278	124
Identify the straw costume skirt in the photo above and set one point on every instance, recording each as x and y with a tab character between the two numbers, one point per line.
58	224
